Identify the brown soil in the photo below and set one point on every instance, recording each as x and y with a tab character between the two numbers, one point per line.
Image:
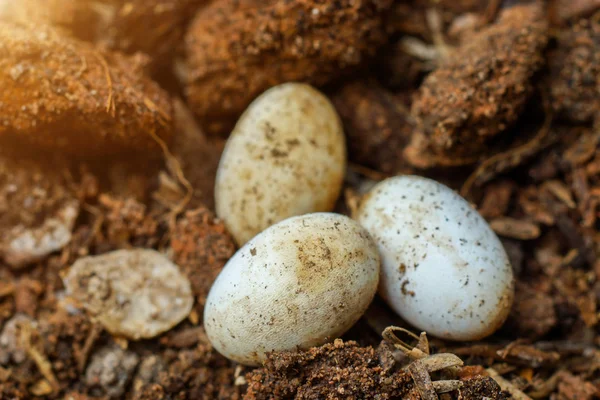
499	103
479	90
237	49
63	95
116	24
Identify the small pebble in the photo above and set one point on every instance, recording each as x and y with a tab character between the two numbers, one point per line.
110	370
148	371
26	245
137	293
11	349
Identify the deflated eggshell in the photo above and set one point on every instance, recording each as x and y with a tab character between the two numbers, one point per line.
298	284
443	268
136	293
285	157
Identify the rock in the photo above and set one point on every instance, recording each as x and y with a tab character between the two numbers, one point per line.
10	347
110	370
137	293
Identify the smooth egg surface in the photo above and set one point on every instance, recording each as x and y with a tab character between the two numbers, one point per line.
443	268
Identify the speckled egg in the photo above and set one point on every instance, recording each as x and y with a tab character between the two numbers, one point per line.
443	268
286	156
298	284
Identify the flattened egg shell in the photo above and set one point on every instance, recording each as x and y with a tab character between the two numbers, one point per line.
298	284
286	156
443	268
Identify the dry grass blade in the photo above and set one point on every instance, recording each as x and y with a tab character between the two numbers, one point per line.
515	228
504	161
40	360
174	168
6	289
419	351
110	101
506	385
87	347
446	386
437	362
422	380
561	192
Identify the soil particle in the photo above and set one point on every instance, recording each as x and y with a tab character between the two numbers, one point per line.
516	229
533	314
200	246
574	71
574	388
26	296
377	125
37	211
12	392
488	78
497	199
125	222
481	388
148	372
11	349
110	370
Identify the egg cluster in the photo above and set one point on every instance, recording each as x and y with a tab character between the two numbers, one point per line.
305	275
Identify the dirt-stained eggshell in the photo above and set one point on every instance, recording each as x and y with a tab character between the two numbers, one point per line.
134	293
285	157
298	284
443	268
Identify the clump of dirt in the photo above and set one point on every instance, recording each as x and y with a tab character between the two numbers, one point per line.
201	246
196	373
116	24
109	371
338	370
377	125
63	95
236	50
574	71
479	90
482	388
37	211
344	370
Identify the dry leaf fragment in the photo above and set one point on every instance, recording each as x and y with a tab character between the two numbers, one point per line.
561	191
506	385
516	229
